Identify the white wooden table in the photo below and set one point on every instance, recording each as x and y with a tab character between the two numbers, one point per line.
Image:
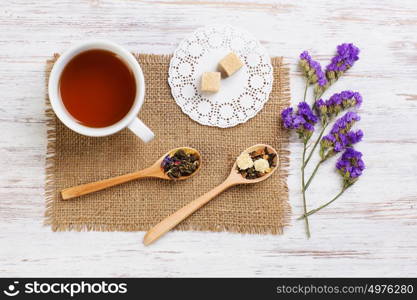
371	231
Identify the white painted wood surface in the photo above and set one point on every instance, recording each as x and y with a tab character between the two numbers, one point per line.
372	231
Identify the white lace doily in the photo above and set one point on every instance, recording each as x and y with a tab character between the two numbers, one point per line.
241	95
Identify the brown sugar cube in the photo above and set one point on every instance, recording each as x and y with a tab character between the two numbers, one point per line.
210	82
230	64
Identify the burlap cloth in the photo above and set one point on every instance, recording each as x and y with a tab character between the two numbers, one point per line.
73	159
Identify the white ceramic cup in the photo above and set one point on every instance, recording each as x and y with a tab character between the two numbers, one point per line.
130	120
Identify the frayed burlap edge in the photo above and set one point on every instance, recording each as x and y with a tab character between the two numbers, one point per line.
284	153
50	149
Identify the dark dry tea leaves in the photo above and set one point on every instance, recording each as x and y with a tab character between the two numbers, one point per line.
181	163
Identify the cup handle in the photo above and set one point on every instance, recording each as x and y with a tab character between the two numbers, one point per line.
141	130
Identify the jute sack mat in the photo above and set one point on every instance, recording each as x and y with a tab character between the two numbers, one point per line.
73	159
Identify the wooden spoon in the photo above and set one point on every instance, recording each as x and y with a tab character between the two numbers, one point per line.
154	171
234	178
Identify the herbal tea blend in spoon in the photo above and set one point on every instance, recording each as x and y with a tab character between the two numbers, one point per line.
262	158
256	164
177	164
181	163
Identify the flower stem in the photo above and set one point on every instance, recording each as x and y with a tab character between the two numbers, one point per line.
305	90
315	144
326	204
313	174
304	193
317	97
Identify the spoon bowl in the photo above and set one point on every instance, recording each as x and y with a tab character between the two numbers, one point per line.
239	179
158	164
154	171
234	178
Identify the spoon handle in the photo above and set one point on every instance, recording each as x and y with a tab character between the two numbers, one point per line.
88	188
177	217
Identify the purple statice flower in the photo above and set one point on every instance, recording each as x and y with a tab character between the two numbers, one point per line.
342	141
303	120
345	123
343	100
306	112
347	55
353	137
288	118
340	136
291	120
321	107
337	103
312	70
350	166
335	143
